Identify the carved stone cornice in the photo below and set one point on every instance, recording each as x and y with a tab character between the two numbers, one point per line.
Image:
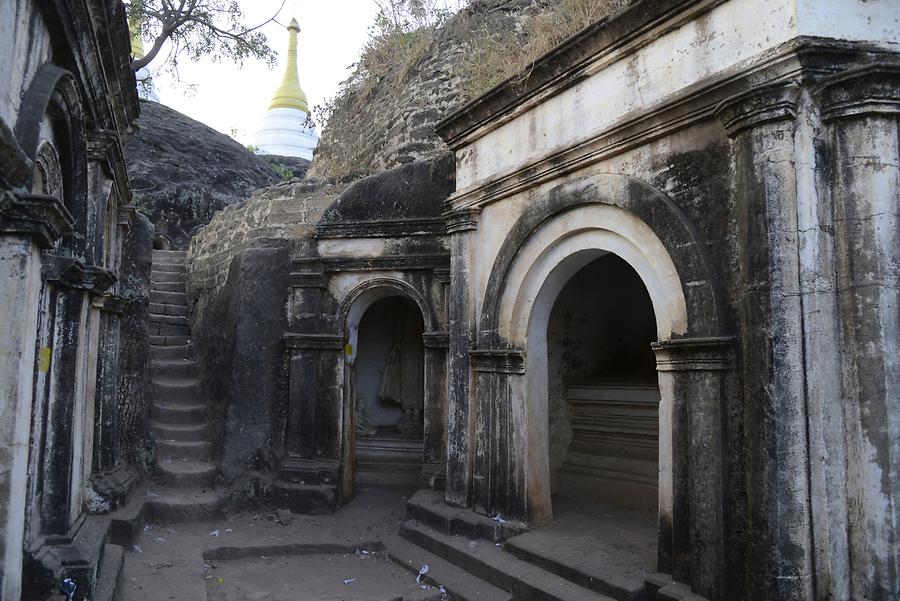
762	104
411	262
436	339
125	216
326	342
695	354
504	361
870	89
442	275
75	275
44	217
461	220
111	303
382	229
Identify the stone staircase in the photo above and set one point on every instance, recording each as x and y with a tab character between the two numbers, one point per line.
185	472
477	558
388	461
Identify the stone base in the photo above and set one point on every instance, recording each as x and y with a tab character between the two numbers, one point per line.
315	499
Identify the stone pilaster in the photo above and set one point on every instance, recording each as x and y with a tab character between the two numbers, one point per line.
761	124
861	109
461	226
435	443
694	374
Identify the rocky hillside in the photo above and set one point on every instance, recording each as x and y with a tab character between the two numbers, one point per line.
385	113
182	171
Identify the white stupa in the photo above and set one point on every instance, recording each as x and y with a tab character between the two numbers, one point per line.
287	129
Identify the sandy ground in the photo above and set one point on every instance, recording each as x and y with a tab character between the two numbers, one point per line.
251	556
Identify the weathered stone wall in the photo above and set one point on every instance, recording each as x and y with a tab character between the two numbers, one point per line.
237	288
134	439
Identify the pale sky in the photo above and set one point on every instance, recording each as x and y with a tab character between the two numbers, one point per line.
227	97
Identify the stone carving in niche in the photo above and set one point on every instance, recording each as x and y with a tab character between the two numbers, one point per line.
47	177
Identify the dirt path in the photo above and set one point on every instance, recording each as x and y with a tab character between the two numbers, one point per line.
277	557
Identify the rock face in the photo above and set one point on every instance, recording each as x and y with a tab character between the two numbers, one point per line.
393	123
237	289
182	172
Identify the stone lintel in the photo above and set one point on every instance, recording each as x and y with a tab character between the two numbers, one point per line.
44	217
461	220
872	89
504	361
695	354
326	342
383	228
307	279
436	339
413	262
761	104
72	273
125	216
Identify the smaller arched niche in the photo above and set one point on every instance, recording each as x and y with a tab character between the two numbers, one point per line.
161	243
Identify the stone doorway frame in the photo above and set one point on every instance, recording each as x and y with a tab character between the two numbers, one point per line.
559	233
352	310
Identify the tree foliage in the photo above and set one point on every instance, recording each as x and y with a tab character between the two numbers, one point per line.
198	28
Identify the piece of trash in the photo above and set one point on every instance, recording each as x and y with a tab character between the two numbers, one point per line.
364	552
214	533
349	580
152	494
499	518
228	530
67	588
284	517
159	539
220	580
473	544
424	587
168	564
148	528
136	549
442	589
422	571
498	545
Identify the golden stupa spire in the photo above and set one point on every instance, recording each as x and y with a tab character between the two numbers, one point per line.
289	94
137	44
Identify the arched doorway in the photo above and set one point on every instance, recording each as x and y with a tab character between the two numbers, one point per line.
387	393
603	391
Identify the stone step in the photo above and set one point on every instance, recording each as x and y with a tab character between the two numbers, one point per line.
176	390
178	413
181	432
459	583
379	455
164	309
313	499
159	277
185	505
197	450
168	341
175	368
168	329
177	320
180	254
178	299
619	583
169	267
172	353
110	573
428	507
166	287
489	562
185	473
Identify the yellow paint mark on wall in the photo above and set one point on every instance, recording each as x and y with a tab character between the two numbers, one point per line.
348	350
44	359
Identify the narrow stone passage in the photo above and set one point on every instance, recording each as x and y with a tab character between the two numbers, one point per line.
184	467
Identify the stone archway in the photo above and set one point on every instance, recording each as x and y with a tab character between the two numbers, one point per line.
375	295
575	224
